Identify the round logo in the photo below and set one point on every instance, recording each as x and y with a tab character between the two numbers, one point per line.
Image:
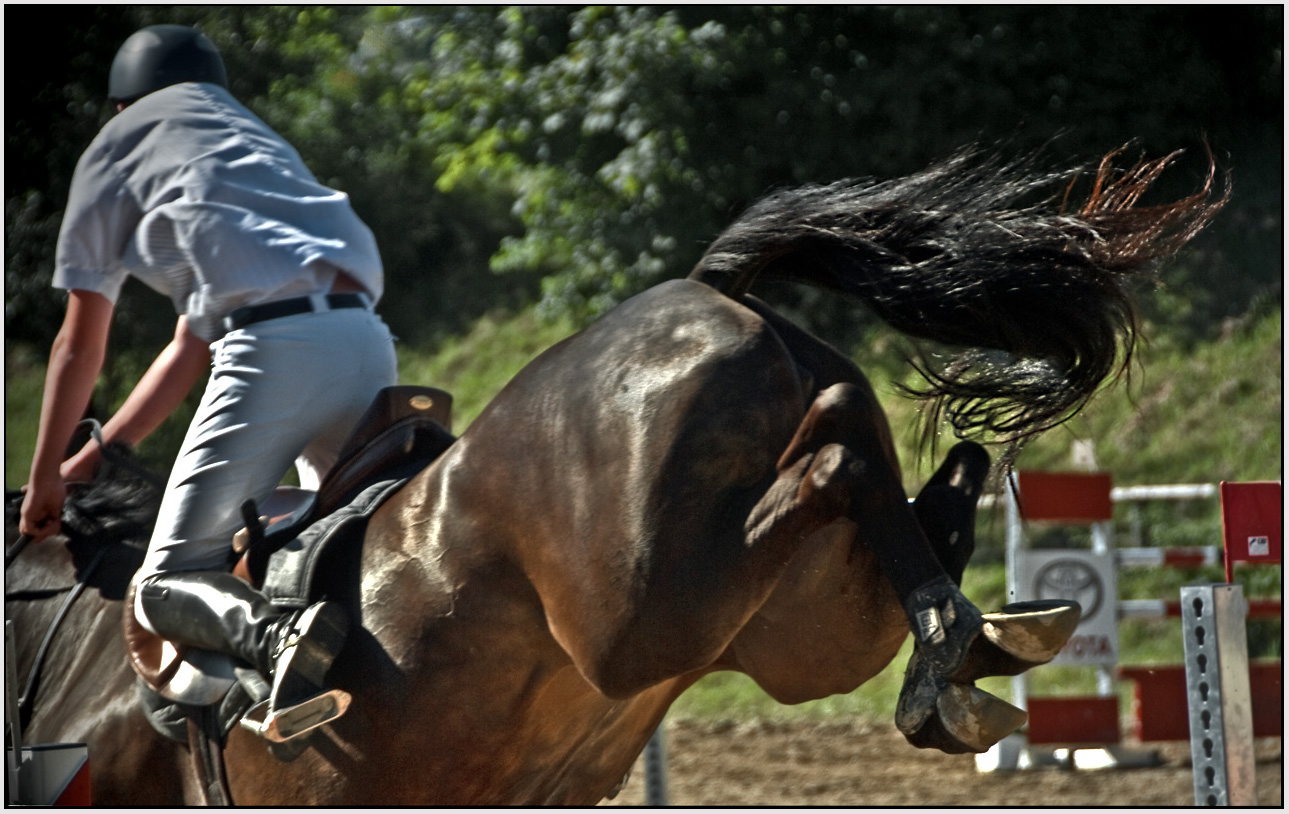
1071	579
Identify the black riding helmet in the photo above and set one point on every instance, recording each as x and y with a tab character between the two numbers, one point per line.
162	55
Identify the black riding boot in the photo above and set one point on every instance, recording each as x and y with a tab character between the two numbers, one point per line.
218	611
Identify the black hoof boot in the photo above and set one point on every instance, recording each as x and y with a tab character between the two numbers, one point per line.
961	644
945	625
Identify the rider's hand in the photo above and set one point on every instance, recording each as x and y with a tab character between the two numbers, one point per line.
42	508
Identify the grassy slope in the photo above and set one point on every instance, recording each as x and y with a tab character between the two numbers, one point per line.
1210	413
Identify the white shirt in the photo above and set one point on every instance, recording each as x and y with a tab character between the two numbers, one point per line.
191	193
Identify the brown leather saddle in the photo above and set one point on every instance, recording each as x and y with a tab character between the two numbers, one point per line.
405	429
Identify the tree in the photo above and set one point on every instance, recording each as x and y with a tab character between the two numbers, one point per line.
579	154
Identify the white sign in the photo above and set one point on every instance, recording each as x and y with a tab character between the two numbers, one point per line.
1086	578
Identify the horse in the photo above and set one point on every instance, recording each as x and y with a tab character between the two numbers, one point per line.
691	484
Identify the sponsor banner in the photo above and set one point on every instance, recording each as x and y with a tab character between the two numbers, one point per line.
1086	578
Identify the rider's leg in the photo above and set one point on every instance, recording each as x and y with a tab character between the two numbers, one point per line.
279	389
276	388
218	611
350	386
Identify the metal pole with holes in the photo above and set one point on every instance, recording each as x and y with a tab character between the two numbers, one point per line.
1217	694
655	753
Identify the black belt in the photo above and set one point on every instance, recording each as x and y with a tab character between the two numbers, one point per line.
248	314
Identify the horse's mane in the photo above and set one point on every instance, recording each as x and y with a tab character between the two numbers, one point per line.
986	255
118	507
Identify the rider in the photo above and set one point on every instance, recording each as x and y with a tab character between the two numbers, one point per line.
274	279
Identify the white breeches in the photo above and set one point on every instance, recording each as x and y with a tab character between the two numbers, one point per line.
281	392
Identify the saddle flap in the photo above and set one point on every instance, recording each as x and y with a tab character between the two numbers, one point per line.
289	571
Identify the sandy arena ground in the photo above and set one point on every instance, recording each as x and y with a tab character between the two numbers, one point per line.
858	764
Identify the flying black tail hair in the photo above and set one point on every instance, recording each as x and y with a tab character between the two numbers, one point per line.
1038	294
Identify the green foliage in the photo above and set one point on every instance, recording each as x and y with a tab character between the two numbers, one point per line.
477	365
579	154
1190	414
24	379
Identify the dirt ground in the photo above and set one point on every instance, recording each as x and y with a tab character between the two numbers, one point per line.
857	764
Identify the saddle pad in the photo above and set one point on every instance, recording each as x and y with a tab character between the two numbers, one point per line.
289	575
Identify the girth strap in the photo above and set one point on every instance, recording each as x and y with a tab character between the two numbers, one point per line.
205	744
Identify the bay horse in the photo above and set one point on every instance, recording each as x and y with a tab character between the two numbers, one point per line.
691	484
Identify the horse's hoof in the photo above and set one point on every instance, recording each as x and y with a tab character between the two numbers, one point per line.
967	719
1020	636
954	718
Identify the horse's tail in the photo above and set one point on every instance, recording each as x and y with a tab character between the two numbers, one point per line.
961	254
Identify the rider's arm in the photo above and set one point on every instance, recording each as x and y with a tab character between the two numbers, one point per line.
74	364
183	362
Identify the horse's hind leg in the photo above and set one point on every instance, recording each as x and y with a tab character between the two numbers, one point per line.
954	643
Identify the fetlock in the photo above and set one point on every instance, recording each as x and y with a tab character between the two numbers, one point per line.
960	644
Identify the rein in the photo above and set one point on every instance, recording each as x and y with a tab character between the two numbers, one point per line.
14	550
28	690
110	455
